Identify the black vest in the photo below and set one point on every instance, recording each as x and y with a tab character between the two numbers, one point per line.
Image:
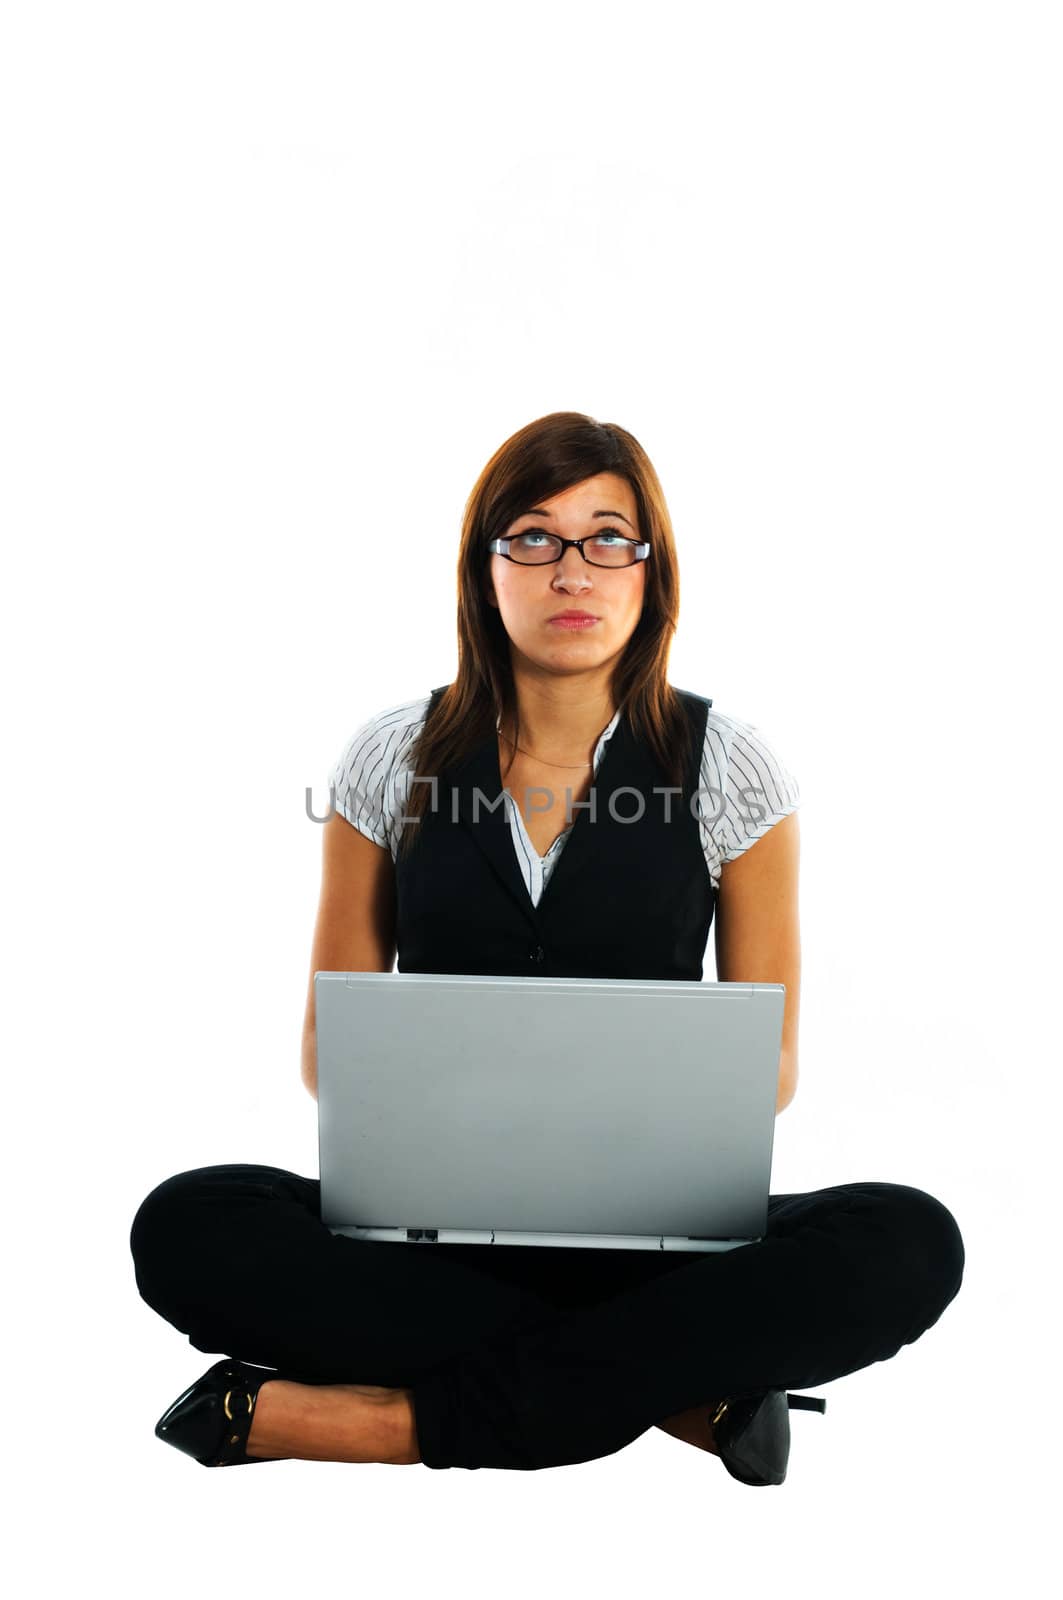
626	899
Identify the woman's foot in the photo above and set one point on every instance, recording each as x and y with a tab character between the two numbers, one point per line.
693	1426
356	1422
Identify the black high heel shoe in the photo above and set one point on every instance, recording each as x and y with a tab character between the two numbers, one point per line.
752	1433
212	1419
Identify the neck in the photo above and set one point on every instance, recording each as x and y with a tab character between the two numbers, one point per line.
555	727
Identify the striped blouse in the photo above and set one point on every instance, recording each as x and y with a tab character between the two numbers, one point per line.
745	788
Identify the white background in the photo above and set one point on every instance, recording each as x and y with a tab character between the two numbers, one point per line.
278	280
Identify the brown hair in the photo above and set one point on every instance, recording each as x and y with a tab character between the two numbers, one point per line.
538	461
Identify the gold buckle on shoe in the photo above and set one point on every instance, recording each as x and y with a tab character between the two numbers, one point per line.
228	1396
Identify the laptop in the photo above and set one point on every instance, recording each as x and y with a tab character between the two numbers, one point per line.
628	1114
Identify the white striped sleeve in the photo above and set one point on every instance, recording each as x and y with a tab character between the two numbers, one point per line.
363	780
759	792
746	789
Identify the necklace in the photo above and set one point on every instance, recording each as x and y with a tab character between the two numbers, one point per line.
569	765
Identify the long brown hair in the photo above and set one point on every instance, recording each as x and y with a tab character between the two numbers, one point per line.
538	461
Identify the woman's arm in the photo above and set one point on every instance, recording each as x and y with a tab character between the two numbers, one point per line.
355	929
758	938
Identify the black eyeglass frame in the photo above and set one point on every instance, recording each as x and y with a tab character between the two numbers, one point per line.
642	551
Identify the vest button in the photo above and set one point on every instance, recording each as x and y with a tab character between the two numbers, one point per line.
538	953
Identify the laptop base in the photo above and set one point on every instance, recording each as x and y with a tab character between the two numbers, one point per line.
583	1241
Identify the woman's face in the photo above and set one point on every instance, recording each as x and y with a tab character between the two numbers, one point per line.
527	597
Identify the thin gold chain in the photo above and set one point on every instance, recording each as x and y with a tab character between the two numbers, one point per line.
568	765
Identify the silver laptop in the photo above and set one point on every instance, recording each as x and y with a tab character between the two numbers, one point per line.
628	1114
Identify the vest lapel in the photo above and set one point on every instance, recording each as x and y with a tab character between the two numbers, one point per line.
479	780
481	809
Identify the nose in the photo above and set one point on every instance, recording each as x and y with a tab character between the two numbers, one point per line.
572	570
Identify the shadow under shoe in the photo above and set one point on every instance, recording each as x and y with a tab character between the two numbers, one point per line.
211	1420
752	1433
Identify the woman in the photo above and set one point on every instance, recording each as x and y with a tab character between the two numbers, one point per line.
515	1357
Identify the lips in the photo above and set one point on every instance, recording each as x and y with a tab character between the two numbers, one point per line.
573	616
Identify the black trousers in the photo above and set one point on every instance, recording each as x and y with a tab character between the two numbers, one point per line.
529	1357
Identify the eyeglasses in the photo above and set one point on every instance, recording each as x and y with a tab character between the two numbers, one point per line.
537	549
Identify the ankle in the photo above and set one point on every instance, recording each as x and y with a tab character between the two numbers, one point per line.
333	1422
693	1426
396	1428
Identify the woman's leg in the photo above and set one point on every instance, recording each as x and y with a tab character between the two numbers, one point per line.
843	1278
237	1258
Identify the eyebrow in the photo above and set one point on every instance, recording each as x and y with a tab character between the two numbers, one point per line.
540	511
